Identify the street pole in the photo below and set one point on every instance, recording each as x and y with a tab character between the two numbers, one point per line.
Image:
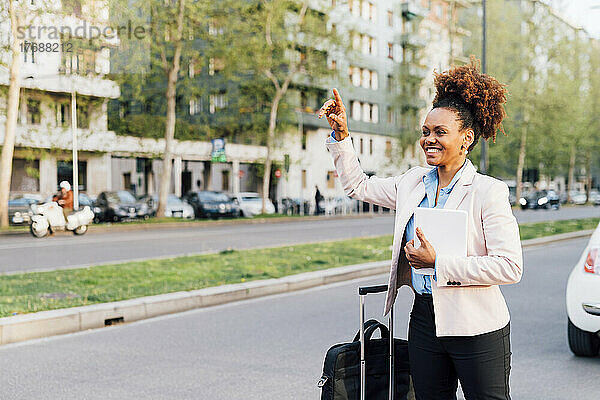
74	132
483	163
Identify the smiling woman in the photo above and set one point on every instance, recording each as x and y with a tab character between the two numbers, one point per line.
459	326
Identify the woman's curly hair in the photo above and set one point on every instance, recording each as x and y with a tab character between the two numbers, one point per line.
476	98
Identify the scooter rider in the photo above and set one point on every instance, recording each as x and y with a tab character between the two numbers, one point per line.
65	198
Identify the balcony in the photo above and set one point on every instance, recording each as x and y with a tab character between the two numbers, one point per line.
412	10
410	39
92	85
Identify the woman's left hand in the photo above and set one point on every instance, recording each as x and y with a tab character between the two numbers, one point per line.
424	256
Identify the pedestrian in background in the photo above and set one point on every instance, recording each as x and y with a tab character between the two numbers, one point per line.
318	199
459	326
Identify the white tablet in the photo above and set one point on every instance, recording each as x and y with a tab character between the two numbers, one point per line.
446	230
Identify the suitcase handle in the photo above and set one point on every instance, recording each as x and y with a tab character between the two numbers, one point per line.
363	290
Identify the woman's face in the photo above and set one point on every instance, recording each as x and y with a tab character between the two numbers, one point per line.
442	139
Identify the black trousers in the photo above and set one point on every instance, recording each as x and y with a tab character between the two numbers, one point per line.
481	362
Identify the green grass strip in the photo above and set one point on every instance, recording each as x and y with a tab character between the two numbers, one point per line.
39	291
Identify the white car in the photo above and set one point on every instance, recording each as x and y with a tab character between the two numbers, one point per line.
176	207
583	301
251	203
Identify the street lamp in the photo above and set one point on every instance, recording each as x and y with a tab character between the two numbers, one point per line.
74	136
483	163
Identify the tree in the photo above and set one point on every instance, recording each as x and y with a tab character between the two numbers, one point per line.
280	44
186	56
19	16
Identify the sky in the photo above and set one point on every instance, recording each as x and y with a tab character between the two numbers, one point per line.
583	12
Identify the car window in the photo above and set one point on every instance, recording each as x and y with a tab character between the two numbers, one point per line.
20	202
251	198
212	196
125	196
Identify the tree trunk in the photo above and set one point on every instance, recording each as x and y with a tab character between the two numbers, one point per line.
588	178
12	109
521	163
270	141
571	174
172	75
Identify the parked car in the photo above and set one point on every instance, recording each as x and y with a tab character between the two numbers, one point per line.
578	197
540	199
209	204
176	207
583	301
120	205
250	204
291	206
337	205
595	197
19	210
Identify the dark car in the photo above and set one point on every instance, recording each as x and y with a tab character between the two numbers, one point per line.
208	204
19	210
120	205
540	199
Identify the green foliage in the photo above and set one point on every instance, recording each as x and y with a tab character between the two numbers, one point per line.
551	87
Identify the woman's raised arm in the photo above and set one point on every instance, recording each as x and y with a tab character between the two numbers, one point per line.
356	184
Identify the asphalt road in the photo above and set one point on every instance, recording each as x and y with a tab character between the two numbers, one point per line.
273	347
25	253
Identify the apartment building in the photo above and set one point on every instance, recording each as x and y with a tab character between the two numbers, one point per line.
386	83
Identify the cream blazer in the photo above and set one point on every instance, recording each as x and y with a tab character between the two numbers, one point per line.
466	297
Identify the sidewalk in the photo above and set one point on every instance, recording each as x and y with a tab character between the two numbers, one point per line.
141	226
49	323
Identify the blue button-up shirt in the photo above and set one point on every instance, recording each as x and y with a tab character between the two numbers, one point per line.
422	283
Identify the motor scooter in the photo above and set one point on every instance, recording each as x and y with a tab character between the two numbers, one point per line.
48	218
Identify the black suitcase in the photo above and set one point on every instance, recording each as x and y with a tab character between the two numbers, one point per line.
366	368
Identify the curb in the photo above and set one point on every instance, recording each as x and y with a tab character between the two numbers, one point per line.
116	227
68	320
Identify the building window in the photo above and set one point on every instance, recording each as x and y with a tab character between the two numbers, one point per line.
370	146
374	80
29	55
361	145
303	140
366	112
333	65
356	110
390	115
390	51
225	181
195	106
365	78
330	179
63	114
375	113
438	11
390	18
303	179
372	12
34	114
388	148
64	172
390	83
83	116
217	101
333	3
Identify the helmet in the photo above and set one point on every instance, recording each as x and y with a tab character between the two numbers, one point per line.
66	185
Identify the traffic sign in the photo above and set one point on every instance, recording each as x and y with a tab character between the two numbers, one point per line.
278	173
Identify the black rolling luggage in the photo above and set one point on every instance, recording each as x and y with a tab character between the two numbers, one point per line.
366	368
